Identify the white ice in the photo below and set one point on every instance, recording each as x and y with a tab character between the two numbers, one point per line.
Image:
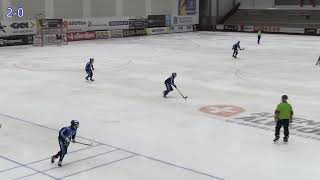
138	135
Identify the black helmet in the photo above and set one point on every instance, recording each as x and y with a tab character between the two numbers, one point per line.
91	59
75	124
174	74
284	97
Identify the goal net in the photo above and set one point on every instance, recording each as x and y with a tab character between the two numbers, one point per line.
50	34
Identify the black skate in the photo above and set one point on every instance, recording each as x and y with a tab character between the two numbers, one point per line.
87	79
285	139
60	163
276	138
91	79
53	158
164	94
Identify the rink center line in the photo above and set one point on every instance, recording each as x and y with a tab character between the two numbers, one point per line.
100	143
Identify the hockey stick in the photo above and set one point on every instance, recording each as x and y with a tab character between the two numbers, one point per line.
184	97
83	143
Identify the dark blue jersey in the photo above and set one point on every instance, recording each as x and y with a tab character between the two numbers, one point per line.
89	66
170	80
67	133
236	46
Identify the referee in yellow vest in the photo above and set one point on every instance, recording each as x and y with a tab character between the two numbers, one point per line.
283	117
259	36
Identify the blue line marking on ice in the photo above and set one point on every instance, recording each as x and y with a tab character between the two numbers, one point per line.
78	150
38	172
99	166
66	164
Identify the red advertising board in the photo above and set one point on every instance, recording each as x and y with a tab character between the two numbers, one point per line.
78	36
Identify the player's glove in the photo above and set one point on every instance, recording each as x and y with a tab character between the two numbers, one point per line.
73	141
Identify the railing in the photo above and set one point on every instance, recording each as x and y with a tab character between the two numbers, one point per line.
229	14
272	23
297	2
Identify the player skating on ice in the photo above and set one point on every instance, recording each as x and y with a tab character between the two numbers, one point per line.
169	83
89	68
66	135
283	117
235	48
259	36
318	62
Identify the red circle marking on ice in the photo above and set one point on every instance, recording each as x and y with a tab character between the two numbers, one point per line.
222	110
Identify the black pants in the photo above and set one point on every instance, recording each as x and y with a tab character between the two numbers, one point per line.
259	38
90	74
169	88
63	149
235	53
285	124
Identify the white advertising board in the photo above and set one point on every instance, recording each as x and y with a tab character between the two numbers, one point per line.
13	28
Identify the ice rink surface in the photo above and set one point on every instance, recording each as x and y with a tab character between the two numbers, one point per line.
224	130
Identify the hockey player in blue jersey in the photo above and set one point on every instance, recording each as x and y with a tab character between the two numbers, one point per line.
169	83
66	135
89	68
235	48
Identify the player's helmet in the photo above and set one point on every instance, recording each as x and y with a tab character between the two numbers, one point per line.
91	59
284	97
75	124
174	74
